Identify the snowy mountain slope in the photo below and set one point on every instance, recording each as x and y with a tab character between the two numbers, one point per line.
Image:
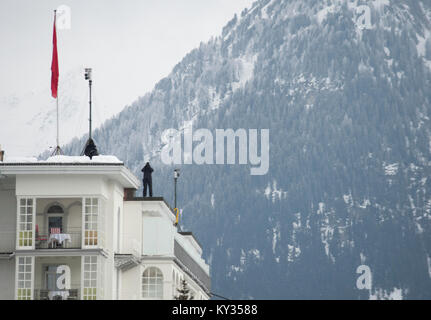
343	87
33	116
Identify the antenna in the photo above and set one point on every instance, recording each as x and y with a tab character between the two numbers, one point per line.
90	149
90	82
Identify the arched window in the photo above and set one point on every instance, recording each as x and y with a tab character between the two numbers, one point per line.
152	283
55	209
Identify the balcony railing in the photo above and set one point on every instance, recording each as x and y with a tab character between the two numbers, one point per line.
70	239
44	294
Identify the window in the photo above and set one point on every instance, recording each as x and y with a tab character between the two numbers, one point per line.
51	277
91	209
90	278
55	209
25	222
152	283
24	278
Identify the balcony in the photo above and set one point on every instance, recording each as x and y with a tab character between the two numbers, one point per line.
69	239
60	223
59	278
44	294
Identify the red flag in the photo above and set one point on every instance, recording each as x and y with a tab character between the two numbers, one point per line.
54	64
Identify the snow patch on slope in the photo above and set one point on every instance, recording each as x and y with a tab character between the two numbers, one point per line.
245	68
215	99
322	14
293	252
35	114
379	294
421	46
348	199
391	169
212	201
272	192
275	237
265	10
379	4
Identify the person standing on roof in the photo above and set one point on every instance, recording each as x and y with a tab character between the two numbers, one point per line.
147	170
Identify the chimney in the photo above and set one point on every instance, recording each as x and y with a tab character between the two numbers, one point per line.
129	194
1	154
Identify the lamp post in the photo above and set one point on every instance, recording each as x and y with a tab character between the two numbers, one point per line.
176	176
176	210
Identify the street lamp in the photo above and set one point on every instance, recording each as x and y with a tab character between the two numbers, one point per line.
176	210
176	176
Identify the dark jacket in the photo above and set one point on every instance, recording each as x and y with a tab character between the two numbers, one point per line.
147	170
91	149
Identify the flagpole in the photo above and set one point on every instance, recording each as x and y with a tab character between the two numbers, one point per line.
58	130
57	150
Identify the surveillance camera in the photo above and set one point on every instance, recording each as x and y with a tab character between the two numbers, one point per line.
87	73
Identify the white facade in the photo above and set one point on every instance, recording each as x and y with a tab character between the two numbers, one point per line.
70	230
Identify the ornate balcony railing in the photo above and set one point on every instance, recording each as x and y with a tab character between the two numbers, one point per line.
69	239
44	294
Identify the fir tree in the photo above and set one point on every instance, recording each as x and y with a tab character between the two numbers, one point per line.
184	292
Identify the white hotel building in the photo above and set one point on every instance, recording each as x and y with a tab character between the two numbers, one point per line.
71	228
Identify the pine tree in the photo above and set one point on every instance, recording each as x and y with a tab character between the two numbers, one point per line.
183	292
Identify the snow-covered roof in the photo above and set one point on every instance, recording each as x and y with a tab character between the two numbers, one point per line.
109	166
105	159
